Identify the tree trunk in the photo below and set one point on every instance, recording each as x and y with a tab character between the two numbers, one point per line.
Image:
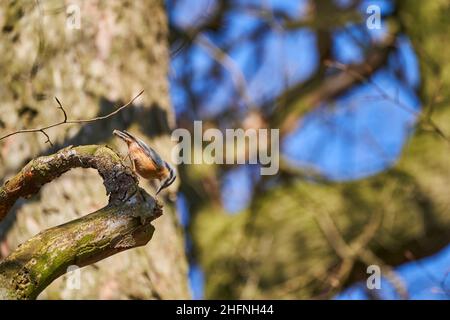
92	55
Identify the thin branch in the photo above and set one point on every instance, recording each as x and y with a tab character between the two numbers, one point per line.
368	80
304	96
62	109
47	136
66	121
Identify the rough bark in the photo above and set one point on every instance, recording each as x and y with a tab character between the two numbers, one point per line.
120	49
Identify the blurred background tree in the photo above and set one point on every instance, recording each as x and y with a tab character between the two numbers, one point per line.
364	121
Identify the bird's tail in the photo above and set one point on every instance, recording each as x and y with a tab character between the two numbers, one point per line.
124	135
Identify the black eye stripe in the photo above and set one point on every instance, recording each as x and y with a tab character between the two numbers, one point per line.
171	178
170	181
171	171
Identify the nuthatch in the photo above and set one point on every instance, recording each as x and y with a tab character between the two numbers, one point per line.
146	161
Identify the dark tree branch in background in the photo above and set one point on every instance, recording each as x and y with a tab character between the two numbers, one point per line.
303	98
123	224
66	121
228	63
423	119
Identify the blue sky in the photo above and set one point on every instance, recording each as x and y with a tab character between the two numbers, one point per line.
428	278
360	134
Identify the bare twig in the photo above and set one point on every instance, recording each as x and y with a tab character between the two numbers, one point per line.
365	79
67	121
62	108
47	136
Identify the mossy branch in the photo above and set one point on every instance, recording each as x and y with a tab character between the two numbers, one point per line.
123	224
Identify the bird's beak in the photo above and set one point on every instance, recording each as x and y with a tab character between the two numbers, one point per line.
122	135
119	134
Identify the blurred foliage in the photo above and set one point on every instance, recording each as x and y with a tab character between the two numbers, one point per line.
302	238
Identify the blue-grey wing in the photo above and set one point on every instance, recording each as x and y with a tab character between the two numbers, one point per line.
153	154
